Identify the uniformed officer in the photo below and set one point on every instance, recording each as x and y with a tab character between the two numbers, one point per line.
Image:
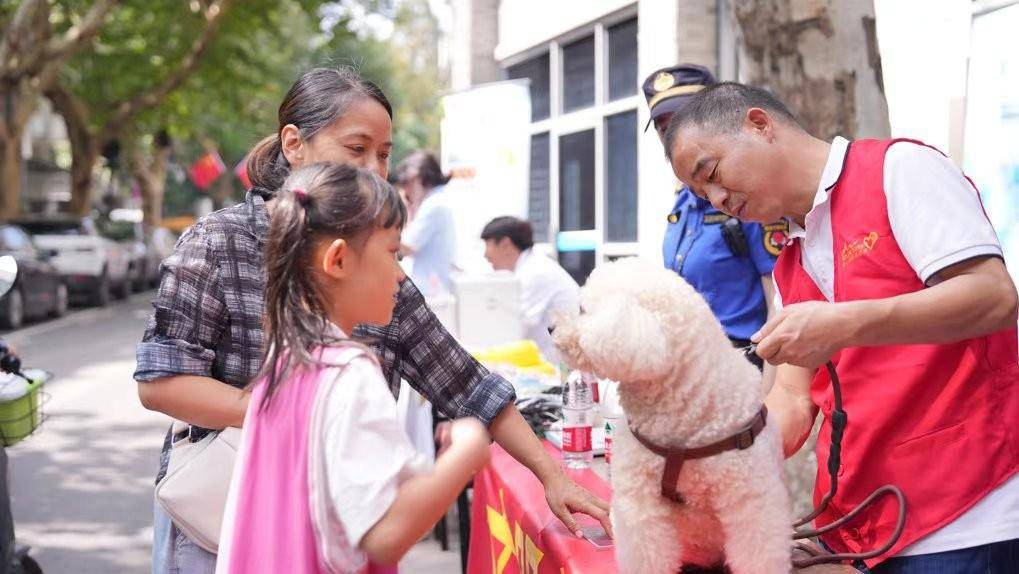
727	261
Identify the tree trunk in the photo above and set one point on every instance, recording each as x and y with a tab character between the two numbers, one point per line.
10	173
84	145
820	57
83	160
150	173
17	102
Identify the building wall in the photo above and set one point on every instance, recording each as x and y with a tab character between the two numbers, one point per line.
925	68
46	155
524	24
925	48
658	45
474	37
668	32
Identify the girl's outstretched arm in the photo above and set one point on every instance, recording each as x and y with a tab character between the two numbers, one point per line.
422	500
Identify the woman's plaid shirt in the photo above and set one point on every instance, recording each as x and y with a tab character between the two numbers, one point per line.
208	322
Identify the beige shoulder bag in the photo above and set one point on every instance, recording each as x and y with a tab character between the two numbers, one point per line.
193	492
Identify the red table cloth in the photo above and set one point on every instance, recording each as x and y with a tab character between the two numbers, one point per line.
513	530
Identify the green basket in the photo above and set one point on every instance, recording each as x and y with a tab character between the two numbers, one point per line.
20	417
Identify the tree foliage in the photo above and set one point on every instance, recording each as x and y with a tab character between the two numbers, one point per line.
37	39
211	74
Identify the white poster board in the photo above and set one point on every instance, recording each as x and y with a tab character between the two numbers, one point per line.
485	134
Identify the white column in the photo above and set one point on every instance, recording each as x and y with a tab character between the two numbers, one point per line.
657	47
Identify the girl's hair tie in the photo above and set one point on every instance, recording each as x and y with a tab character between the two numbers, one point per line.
301	195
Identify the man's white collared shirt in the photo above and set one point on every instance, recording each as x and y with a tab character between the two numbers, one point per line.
938	221
545	289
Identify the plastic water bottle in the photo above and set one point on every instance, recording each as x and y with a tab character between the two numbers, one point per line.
613	418
608	443
578	415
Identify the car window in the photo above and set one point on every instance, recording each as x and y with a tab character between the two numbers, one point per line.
54	227
118	230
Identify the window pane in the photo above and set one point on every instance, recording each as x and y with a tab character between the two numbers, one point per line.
576	181
623	59
536	70
538	200
578	74
578	264
621	177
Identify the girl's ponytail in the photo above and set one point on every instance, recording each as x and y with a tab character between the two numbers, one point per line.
289	293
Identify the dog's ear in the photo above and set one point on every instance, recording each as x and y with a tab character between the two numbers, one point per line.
625	342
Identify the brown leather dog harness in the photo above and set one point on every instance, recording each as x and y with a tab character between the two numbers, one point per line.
674	457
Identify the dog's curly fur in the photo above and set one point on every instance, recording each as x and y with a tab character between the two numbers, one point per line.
682	384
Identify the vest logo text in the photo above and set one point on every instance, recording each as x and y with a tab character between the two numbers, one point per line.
853	250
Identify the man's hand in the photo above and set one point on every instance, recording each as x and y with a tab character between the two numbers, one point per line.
566	497
805	334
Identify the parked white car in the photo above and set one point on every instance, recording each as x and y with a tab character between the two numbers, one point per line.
93	266
147	250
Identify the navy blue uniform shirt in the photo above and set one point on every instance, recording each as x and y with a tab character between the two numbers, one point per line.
695	248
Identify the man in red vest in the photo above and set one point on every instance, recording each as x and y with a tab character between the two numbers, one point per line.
893	273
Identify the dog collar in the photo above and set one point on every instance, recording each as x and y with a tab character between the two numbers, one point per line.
675	456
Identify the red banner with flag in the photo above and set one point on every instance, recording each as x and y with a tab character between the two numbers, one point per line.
206	170
241	171
513	531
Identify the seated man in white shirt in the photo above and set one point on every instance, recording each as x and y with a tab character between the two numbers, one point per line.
545	288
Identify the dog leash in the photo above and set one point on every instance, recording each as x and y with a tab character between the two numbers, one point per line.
839	419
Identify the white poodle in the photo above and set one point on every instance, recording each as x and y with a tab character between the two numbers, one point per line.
682	385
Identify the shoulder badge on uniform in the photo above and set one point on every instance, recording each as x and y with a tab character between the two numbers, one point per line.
775	236
712	218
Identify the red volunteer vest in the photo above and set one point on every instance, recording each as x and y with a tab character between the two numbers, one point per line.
939	421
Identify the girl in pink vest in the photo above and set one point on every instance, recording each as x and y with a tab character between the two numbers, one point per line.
326	480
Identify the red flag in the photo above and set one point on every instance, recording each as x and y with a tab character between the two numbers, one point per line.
241	171
205	171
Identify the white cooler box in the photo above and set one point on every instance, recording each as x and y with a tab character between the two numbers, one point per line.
487	309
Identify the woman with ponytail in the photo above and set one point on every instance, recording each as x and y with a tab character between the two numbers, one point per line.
204	341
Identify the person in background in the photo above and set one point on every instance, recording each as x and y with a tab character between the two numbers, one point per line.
321	423
545	288
726	260
430	238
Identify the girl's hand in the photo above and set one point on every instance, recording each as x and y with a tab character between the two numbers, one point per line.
470	440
